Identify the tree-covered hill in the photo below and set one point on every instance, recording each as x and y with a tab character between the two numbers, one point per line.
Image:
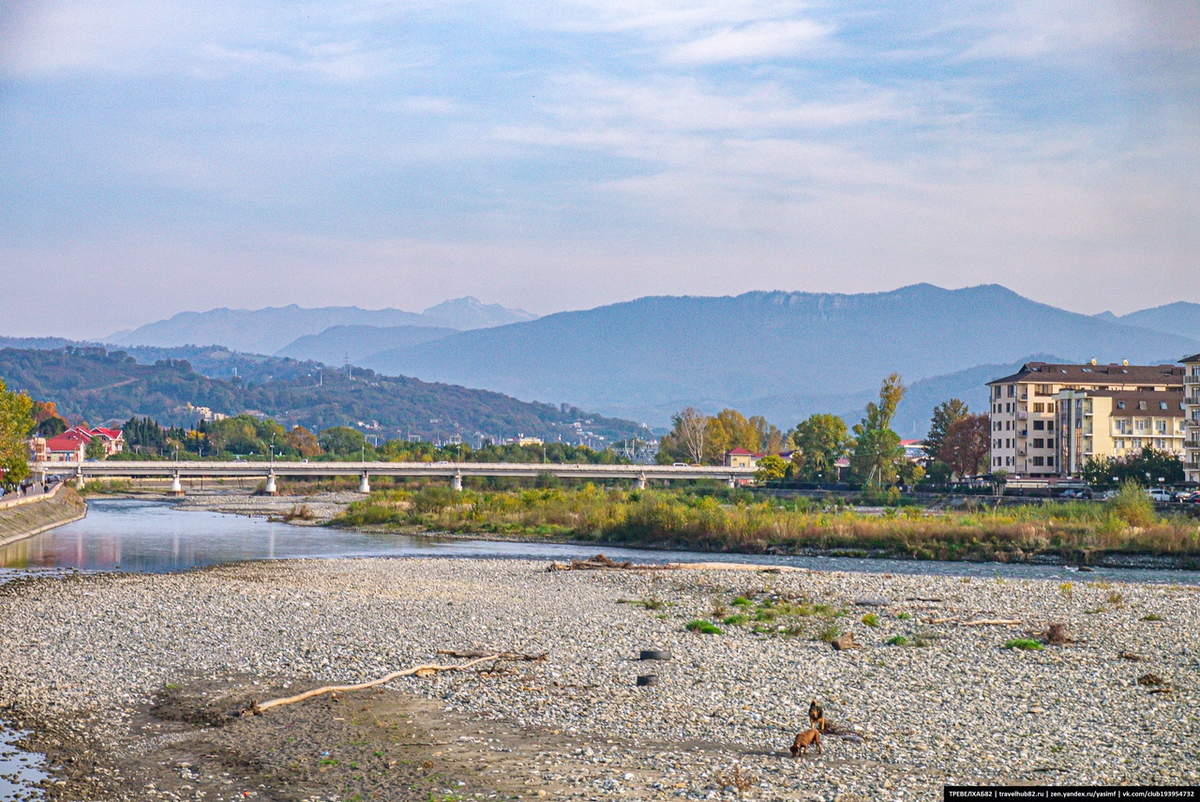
97	385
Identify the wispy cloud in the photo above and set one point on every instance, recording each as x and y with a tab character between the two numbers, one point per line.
684	145
755	42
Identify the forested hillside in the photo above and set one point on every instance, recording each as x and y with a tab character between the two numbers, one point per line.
98	385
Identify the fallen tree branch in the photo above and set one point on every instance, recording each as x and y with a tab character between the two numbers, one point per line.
257	709
992	622
528	658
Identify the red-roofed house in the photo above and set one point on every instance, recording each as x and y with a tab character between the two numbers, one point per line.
71	445
741	458
68	446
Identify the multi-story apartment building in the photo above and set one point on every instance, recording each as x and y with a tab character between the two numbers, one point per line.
1191	402
1047	420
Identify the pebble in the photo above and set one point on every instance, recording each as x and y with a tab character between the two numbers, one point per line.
916	718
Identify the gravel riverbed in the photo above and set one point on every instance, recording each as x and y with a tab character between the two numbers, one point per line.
88	658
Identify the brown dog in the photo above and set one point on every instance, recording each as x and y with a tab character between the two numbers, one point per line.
816	716
803	739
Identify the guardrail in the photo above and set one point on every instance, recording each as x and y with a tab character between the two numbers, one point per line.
455	471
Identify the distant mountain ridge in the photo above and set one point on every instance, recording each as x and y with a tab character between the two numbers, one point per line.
268	330
644	358
1181	318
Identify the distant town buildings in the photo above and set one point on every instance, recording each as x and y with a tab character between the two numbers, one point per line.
71	445
1048	420
1191	405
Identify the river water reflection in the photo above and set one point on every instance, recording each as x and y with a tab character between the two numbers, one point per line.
152	537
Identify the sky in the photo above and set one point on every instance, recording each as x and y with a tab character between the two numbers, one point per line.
159	156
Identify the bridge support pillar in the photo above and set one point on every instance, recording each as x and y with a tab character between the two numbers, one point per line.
456	482
79	483
271	489
641	481
176	486
732	482
364	484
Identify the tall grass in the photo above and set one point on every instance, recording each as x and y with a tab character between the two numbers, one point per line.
737	523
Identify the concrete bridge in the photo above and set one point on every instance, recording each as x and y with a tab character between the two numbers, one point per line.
454	471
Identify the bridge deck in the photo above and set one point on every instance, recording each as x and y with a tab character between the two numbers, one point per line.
138	469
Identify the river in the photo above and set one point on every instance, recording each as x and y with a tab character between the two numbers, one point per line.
152	537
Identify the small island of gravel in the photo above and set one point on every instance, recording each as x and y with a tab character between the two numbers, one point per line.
130	682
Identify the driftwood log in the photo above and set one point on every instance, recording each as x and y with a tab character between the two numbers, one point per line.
992	622
258	708
601	563
528	658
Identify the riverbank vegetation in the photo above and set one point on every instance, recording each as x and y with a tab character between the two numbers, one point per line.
736	521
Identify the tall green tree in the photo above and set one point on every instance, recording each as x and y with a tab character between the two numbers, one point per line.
944	414
16	419
877	452
820	440
95	449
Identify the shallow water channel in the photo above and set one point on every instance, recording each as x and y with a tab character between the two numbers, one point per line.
152	537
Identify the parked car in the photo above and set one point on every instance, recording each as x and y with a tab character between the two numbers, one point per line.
1109	494
1158	494
1076	492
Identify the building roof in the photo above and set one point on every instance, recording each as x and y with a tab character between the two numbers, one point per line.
111	434
1132	399
1048	372
1192	358
739	452
63	443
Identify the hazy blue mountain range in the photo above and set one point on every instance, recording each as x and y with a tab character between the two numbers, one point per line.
767	350
266	331
1181	318
469	313
98	385
336	344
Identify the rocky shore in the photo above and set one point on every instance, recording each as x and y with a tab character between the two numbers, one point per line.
130	680
312	509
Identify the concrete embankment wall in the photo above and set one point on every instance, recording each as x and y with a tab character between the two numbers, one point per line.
40	514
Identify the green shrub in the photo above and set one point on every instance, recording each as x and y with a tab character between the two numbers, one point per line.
1152	617
703	627
1024	644
829	633
897	640
742	601
1132	505
736	620
904	616
871	620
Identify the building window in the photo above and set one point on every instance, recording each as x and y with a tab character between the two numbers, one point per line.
1039	442
1120	405
1141	404
1119	443
1039	461
1050	461
1137	442
1039	425
1049	425
1012	391
1162	404
1049	442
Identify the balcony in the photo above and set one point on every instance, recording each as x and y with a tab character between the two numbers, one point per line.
1023	415
1023	433
1023	396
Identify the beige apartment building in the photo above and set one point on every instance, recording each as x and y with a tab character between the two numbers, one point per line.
1191	402
1047	420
